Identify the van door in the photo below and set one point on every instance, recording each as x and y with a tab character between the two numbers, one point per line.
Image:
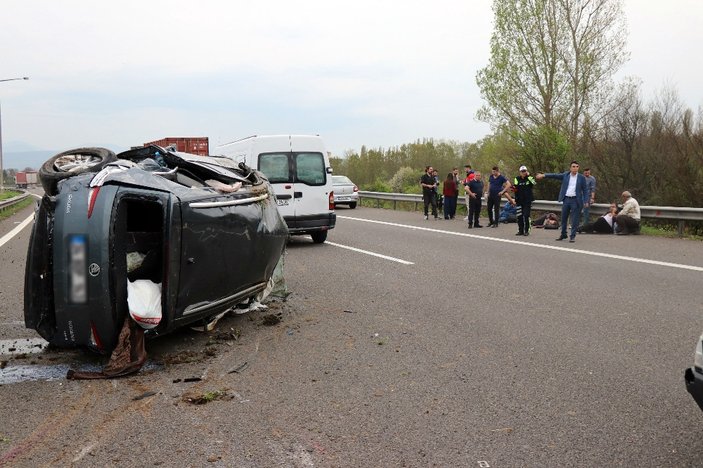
311	193
278	168
301	185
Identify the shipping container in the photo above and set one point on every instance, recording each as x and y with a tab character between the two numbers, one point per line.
192	145
24	179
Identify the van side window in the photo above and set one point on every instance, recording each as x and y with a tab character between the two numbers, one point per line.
309	168
275	166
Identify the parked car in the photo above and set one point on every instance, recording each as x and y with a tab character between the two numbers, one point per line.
694	375
207	230
345	191
299	169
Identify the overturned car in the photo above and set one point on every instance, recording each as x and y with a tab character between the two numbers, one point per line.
205	230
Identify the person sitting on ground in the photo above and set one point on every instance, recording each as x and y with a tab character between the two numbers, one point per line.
547	221
509	213
604	224
628	219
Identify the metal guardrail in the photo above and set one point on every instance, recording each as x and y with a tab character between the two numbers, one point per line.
680	214
4	204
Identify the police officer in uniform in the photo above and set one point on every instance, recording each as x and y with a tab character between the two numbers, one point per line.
524	197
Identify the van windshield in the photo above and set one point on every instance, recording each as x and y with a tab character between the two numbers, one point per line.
310	168
305	168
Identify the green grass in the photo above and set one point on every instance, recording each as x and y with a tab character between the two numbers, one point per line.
5	194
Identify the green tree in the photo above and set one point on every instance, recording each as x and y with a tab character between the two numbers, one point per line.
551	63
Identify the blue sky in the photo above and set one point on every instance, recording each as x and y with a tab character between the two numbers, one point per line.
371	72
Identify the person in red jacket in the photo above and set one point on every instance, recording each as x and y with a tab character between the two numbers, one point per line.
450	193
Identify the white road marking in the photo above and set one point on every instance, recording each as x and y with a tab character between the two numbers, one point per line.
6	238
385	257
531	244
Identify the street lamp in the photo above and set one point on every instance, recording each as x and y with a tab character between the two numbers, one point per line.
2	172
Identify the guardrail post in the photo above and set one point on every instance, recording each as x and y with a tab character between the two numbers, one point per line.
682	225
394	205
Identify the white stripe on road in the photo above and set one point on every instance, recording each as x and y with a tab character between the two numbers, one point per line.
6	238
385	257
531	244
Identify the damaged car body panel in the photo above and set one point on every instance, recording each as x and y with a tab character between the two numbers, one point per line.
209	249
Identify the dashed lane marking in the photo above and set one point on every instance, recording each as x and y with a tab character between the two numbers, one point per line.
531	244
374	254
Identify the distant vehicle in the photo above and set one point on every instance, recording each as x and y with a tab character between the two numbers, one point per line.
24	179
694	375
208	231
299	169
192	145
345	191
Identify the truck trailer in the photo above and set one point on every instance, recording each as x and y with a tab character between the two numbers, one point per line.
25	179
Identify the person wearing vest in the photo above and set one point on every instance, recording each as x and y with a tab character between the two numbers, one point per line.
524	197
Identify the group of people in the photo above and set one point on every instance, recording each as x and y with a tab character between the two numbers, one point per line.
577	193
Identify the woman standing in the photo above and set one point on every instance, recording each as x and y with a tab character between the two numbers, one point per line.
450	193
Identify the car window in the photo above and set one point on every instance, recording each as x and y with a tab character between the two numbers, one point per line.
340	179
275	167
310	168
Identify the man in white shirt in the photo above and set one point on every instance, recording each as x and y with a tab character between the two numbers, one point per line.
628	219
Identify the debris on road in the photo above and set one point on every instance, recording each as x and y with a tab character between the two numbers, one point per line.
207	397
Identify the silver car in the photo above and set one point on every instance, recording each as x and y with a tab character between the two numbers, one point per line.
345	192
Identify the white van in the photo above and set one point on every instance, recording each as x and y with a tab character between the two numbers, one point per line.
299	169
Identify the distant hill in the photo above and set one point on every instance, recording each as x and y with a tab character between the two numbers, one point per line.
21	159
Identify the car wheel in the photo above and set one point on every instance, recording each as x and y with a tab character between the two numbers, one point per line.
352	205
70	163
319	237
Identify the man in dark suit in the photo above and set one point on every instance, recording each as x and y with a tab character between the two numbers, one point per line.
572	195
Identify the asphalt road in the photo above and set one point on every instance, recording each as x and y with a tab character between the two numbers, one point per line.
456	348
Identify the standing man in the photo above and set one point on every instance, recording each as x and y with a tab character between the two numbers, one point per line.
439	197
474	190
628	219
572	194
497	187
590	195
429	190
523	185
457	184
469	177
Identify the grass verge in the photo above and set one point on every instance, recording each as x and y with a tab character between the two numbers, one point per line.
6	213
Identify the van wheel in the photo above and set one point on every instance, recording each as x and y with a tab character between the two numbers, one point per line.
70	163
352	205
319	237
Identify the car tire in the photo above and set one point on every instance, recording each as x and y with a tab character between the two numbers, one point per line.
319	237
352	205
72	162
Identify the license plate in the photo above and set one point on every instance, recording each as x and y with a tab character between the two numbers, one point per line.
78	287
343	198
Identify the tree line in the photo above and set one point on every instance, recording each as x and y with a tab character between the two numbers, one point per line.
550	96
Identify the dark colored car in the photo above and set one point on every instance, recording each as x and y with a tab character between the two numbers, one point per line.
694	375
207	230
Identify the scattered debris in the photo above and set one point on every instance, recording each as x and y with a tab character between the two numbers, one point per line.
349	312
144	395
127	358
192	379
271	320
207	397
239	369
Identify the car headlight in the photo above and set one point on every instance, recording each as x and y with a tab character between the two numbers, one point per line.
698	356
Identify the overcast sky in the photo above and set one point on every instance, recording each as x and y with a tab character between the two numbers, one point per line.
374	72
